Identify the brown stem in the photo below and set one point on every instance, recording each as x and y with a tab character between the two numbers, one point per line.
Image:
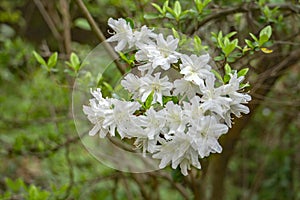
67	26
48	20
100	35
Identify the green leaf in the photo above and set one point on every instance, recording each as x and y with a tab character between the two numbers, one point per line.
243	72
172	12
149	100
266	31
229	35
75	61
244	85
229	48
263	39
219	58
197	43
165	6
152	16
217	74
175	33
227	69
130	21
158	8
185	14
226	78
108	86
82	23
177	9
254	37
52	60
249	43
39	58
230	59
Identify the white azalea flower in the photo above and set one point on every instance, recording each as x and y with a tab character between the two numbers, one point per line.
184	87
162	54
213	99
132	84
195	68
144	36
238	99
121	116
159	87
123	34
153	123
205	132
193	109
178	151
96	113
175	117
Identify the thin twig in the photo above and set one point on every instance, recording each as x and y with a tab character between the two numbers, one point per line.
242	9
48	19
67	27
100	35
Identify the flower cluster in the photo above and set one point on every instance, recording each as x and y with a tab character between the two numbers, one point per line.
177	121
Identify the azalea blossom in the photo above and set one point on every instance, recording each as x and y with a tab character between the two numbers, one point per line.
213	99
162	54
178	151
205	132
123	34
175	117
120	116
188	112
156	85
238	99
144	36
96	113
132	84
195	69
185	88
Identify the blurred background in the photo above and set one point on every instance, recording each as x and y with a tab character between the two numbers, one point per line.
41	156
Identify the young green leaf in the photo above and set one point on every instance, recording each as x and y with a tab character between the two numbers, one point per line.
263	39
149	100
157	8
227	69
75	61
253	37
219	58
52	60
82	23
243	72
177	9
175	33
152	16
217	75
39	58
249	43
197	43
266	31
130	21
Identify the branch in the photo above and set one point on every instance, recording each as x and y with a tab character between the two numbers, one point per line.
67	26
100	35
241	9
219	162
48	19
